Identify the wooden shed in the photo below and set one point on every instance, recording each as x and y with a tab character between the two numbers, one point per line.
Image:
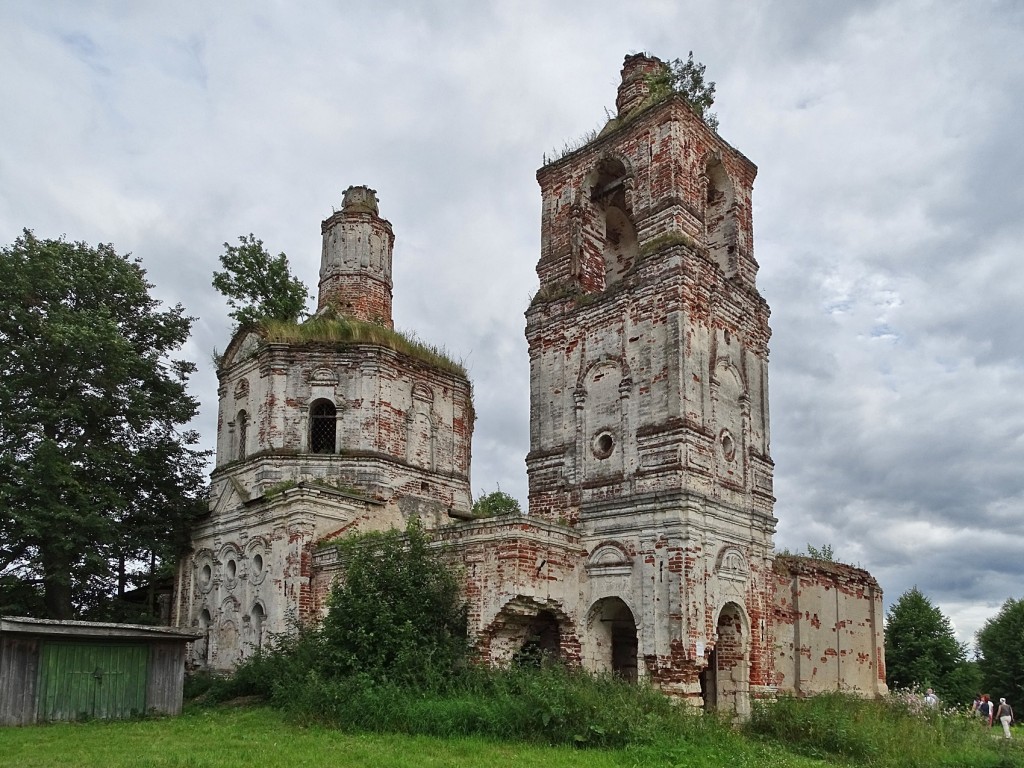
72	670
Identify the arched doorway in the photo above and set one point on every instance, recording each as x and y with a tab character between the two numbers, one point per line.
727	679
612	639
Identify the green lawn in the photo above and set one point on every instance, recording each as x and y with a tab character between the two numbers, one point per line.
260	737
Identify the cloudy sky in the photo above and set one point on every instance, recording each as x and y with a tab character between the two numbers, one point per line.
888	212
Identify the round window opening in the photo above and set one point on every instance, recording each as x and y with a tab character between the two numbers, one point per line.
205	575
232	569
728	447
257	565
604	445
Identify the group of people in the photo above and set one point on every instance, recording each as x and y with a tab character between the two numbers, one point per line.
990	712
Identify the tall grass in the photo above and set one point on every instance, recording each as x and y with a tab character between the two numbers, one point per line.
551	705
229	737
885	732
340	330
256	736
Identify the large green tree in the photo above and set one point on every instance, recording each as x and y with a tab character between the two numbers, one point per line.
921	648
1000	644
258	285
96	469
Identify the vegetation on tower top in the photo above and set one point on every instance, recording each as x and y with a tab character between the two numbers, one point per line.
335	329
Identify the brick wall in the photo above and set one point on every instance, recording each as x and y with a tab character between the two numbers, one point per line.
828	629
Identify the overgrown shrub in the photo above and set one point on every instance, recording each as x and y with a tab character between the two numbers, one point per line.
396	615
269	673
686	78
495	504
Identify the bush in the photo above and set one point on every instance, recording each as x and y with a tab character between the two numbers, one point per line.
197	685
396	615
269	673
496	503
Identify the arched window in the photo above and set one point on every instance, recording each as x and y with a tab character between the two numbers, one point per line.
241	424
611	234
720	218
258	617
322	427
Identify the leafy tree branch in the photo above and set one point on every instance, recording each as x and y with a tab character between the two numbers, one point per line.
257	285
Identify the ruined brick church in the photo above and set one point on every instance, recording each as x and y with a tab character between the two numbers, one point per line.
647	549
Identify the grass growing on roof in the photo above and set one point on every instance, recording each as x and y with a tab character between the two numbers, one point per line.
336	329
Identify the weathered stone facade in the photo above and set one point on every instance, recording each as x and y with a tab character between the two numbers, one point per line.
649	412
648	548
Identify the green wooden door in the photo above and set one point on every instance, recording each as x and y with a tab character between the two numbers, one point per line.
86	680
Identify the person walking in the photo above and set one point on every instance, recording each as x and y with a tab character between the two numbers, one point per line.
985	710
1005	716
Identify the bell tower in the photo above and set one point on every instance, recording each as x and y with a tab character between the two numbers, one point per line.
648	339
648	345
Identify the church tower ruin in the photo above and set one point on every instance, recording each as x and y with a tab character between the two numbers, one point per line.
648	548
334	424
648	349
355	266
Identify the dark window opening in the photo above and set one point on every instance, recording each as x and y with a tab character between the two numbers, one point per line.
542	644
322	427
243	424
